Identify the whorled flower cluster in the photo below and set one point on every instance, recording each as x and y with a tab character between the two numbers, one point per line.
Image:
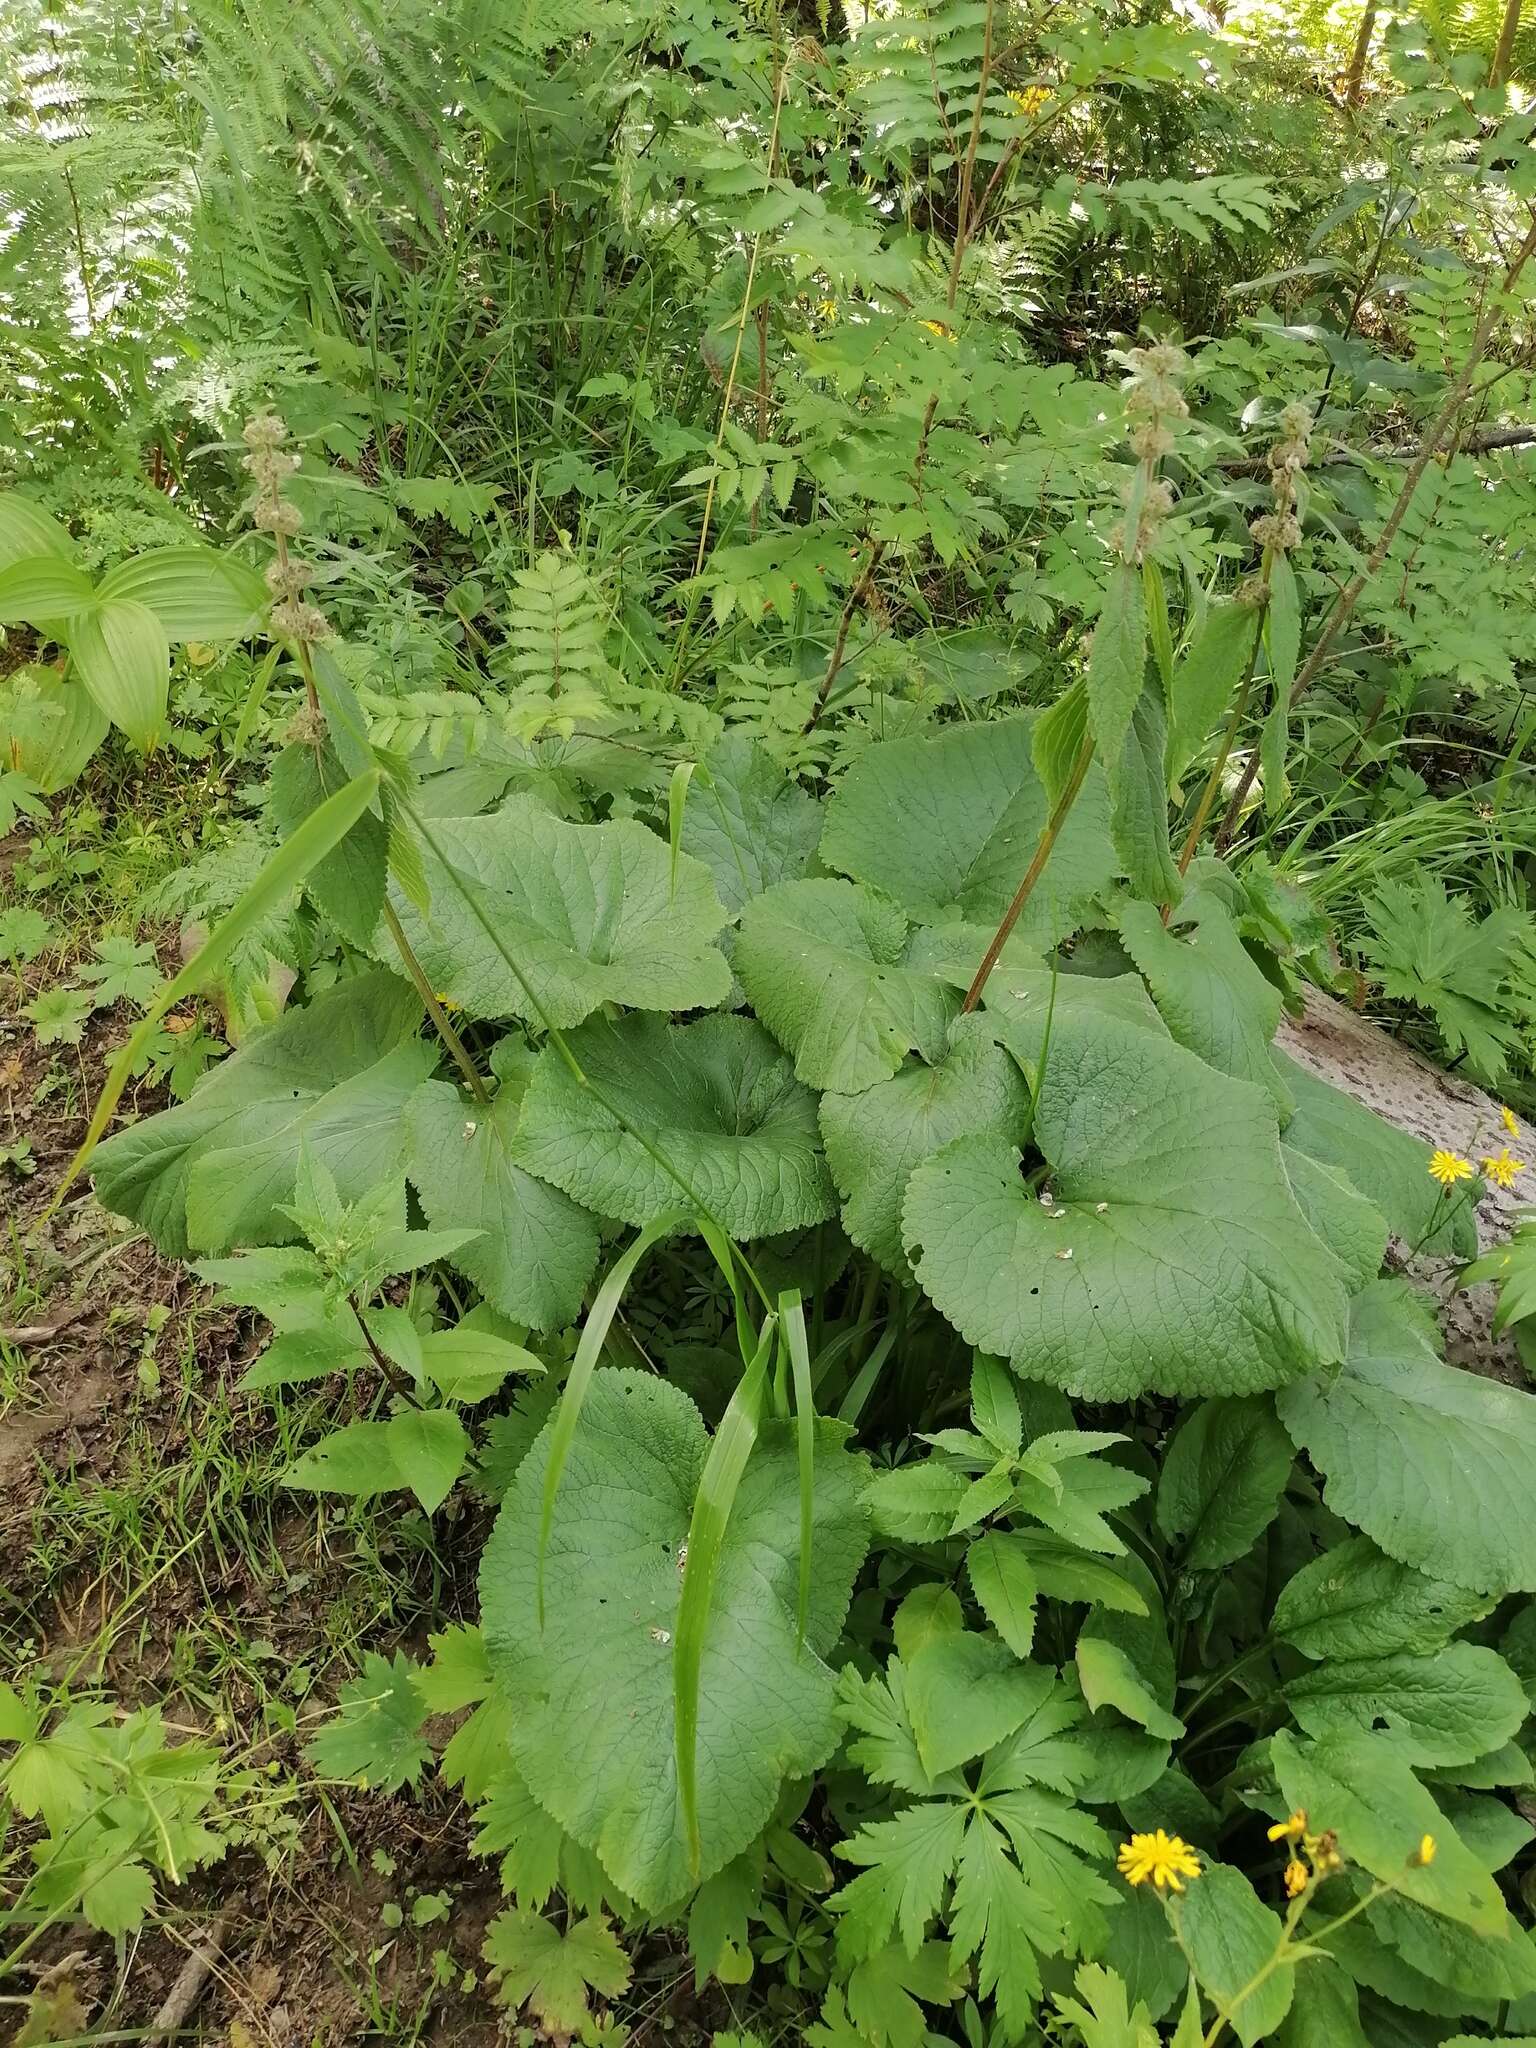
1154	407
269	464
1280	529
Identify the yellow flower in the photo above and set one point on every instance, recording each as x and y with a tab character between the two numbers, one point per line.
1507	1119
1295	1878
1501	1167
1162	1858
1032	99
1426	1852
937	327
1449	1167
447	1001
1290	1830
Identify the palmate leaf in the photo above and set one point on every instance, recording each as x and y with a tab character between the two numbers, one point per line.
593	1733
536	1248
591	914
1433	1463
334	1077
946	827
1182	1262
717	1097
550	1971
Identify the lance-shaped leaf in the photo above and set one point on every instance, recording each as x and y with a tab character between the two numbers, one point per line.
123	657
593	1732
589	913
717	1097
1172	1254
947	825
537	1249
335	1075
1434	1464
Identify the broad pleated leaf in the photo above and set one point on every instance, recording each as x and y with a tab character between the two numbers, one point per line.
123	656
588	912
748	822
1433	1463
717	1097
195	593
1212	997
1446	1707
947	825
1181	1262
537	1249
593	1728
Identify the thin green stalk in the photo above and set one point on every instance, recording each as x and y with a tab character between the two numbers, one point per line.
445	1030
1032	873
1212	788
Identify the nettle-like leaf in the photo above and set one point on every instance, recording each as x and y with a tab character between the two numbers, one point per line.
1356	1602
1434	1464
1353	1229
1167	1251
1389	1166
1222	1479
593	1733
536	1249
946	826
591	914
876	1139
333	1079
842	982
717	1097
1448	1706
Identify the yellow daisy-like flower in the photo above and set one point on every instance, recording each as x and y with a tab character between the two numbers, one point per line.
446	1000
1507	1119
937	327
1501	1167
1426	1852
1295	1878
1161	1859
1031	99
1290	1830
1449	1167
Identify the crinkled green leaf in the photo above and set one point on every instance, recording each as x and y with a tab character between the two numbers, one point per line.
348	885
334	1076
1221	1481
1229	1936
748	822
946	824
830	970
1353	1229
1355	1602
1182	1262
537	1249
1446	1706
875	1139
1211	995
593	1734
589	913
716	1096
1433	1463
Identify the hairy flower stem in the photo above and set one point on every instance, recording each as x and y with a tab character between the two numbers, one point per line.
1032	873
1429	447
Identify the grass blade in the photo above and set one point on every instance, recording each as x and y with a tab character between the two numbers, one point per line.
594	1330
712	1505
322	830
792	1326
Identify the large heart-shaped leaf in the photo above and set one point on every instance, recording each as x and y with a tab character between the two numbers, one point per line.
335	1075
947	825
748	822
593	1729
874	1140
591	914
840	981
537	1249
716	1097
1167	1252
1434	1464
123	657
